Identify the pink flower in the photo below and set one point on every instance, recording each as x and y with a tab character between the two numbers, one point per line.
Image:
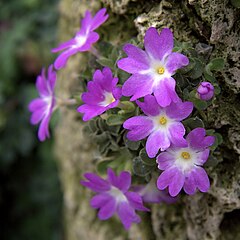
182	166
153	68
102	94
161	125
43	107
113	196
83	39
205	91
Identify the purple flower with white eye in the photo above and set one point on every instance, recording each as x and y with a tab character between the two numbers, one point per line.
152	69
161	125
102	94
113	197
151	194
205	91
182	167
43	107
84	38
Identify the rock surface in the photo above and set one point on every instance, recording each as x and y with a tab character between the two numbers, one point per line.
215	215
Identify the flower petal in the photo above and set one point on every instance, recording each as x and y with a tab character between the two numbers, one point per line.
90	111
149	106
175	61
64	45
99	200
43	131
201	179
166	178
197	139
127	215
156	141
62	59
158	45
177	132
165	160
176	184
124	181
99	19
108	209
139	126
137	54
135	201
137	86
165	92
190	185
179	110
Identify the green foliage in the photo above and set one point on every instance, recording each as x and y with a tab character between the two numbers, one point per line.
116	150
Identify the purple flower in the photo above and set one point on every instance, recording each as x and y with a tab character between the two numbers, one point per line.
83	39
102	94
43	107
113	196
205	91
152	69
183	166
151	194
162	125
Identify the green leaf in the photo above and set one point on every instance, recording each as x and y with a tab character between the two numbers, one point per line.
197	70
193	123
235	3
218	141
113	119
139	168
103	166
215	64
130	144
145	159
105	62
199	104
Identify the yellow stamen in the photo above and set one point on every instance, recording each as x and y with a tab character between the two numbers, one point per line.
161	70
185	155
162	120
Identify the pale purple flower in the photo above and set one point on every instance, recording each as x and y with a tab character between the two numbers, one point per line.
43	107
182	167
152	69
151	194
84	38
205	91
113	197
102	94
161	125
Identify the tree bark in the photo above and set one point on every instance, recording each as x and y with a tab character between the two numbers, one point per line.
214	215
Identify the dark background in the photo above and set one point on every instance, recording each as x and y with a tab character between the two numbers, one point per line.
30	192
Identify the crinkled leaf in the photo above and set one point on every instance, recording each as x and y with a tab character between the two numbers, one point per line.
215	64
197	70
145	159
113	119
141	169
193	123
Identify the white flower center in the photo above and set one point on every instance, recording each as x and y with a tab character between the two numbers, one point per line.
80	40
107	100
157	71
117	194
185	159
161	121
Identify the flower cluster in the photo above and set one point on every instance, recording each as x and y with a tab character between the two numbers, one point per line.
154	115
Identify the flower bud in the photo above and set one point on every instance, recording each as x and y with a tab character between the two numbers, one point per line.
205	91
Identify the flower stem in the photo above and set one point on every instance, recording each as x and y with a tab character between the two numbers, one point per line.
95	52
66	102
